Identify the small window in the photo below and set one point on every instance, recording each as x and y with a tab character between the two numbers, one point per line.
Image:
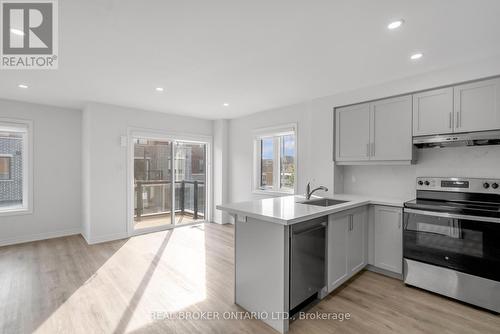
5	167
14	183
275	160
267	163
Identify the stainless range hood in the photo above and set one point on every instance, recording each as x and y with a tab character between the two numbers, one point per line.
458	139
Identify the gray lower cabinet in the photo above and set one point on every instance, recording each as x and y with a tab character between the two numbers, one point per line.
347	245
388	238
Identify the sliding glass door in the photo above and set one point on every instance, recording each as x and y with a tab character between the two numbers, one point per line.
152	183
190	182
157	165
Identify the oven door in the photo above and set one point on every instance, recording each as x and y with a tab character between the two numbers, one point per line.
464	243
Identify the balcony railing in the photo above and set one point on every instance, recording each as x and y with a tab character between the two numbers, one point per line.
189	198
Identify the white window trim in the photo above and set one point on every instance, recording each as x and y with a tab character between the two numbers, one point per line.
259	134
27	166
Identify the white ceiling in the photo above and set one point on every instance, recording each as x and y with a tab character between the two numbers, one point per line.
255	55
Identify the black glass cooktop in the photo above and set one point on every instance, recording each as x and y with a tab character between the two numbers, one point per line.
457	203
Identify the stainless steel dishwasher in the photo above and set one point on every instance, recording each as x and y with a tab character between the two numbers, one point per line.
307	260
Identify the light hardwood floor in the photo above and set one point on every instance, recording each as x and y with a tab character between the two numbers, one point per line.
161	220
65	286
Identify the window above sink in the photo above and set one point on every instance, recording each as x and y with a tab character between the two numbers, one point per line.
275	160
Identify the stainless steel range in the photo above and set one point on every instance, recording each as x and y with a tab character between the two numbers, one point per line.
451	239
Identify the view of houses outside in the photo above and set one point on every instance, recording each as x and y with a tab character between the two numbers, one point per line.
11	169
153	178
190	178
267	162
286	163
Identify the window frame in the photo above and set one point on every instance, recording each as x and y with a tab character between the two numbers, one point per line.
276	133
27	204
8	156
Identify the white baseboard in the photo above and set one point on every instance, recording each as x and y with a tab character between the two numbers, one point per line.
105	238
40	236
220	223
85	237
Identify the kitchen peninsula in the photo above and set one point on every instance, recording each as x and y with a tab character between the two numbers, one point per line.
267	273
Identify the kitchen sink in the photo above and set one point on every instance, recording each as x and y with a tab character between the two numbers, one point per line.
323	202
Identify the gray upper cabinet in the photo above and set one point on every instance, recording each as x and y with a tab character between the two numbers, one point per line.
380	132
477	106
352	125
462	108
391	132
433	112
374	133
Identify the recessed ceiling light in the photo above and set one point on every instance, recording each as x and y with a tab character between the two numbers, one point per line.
22	86
159	89
395	24
416	56
226	104
17	32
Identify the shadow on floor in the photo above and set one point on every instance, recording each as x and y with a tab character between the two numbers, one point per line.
129	312
34	281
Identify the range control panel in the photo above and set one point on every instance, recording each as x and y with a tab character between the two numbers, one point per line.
473	185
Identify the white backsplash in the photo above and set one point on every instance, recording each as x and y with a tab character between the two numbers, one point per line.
399	181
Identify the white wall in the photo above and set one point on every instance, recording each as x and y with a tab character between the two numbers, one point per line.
315	141
399	181
105	162
220	169
314	146
57	174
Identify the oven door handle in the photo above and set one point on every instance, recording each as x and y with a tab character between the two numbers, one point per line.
452	215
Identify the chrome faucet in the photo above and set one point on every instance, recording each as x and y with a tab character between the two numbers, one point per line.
309	192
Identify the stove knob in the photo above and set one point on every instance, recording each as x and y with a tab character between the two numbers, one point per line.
420	183
494	185
486	185
426	183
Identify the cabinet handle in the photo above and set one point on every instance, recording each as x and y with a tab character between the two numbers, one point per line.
458	120
400	220
451	120
368	149
373	149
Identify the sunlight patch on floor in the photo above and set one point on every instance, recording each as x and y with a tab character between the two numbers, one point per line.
179	285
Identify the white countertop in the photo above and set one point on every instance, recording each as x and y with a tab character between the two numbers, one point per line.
286	211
